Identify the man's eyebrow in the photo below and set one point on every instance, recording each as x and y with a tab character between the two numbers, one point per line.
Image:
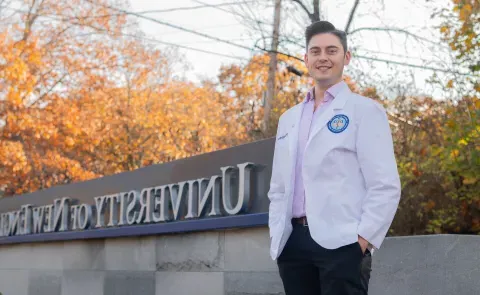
328	47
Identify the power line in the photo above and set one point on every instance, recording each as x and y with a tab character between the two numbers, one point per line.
234	13
394	54
395	30
68	19
206	5
201	29
167	43
212	41
174	26
192	31
185	47
250	60
266	50
412	65
192	7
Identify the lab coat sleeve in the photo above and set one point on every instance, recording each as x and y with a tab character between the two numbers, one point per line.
379	168
277	187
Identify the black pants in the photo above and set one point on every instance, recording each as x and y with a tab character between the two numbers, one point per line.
306	268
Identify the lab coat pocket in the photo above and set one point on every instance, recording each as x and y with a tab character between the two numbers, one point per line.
342	140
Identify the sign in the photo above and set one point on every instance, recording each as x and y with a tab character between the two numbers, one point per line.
228	193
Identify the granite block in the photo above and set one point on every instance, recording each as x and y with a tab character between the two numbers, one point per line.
191	252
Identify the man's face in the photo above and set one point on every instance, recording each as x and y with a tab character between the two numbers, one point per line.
325	58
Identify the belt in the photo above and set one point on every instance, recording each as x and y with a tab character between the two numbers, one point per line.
300	220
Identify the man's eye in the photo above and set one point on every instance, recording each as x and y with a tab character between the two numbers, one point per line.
332	51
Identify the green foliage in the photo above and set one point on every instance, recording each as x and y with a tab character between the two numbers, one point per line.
438	153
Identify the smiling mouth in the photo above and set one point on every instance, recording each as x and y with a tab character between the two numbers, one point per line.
323	68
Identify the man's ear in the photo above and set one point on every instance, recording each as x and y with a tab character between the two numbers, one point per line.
348	57
305	59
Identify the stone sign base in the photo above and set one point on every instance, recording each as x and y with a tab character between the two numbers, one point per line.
226	262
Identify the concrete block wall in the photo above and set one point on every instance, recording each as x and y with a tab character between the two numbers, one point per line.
427	265
210	263
231	262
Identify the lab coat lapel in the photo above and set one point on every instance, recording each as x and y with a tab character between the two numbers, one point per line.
294	129
337	105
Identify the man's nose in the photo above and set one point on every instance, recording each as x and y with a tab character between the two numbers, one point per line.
322	56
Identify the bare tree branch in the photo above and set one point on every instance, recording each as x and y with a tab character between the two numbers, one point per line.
316	10
233	13
303	6
42	96
350	17
315	16
29	20
257	23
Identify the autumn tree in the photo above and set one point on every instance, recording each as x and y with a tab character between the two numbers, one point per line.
461	30
45	56
438	141
86	97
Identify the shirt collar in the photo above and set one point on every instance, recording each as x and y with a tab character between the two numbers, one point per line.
334	90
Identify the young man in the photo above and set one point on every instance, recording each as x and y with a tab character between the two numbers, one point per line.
335	187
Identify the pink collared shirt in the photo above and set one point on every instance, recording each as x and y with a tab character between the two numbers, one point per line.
306	121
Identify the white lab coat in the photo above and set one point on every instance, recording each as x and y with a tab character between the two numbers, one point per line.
352	186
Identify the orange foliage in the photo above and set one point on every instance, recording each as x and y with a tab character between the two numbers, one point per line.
83	101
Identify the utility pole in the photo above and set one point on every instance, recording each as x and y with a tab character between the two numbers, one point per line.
272	67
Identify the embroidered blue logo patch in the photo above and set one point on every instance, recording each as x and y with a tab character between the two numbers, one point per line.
338	123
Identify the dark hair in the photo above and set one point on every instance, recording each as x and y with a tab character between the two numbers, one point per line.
322	27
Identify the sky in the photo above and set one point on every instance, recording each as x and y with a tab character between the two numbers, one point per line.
405	14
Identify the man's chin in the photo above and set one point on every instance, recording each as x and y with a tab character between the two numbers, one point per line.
323	80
